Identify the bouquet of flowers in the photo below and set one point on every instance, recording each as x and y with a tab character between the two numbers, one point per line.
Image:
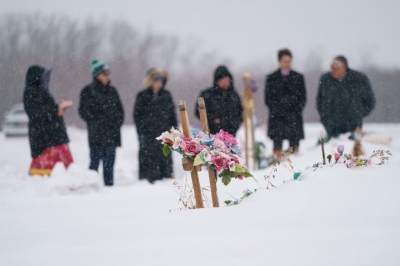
219	152
378	157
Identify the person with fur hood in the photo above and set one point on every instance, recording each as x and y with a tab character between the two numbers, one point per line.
153	114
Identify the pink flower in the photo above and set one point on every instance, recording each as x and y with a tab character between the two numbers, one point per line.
201	134
168	141
219	144
240	177
190	148
369	161
227	138
219	163
336	156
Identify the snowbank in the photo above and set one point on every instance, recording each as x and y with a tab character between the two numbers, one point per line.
331	216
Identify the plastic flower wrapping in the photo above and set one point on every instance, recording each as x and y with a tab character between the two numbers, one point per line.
219	152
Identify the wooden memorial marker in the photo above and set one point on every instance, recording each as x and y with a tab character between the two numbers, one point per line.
358	149
188	164
211	173
323	149
248	110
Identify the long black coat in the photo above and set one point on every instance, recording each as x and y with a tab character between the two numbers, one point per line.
221	104
101	108
343	104
286	99
153	115
46	128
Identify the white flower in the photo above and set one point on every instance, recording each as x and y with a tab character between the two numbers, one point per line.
177	143
175	131
162	136
232	166
206	155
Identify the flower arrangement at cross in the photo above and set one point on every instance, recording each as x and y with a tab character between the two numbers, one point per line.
219	152
378	157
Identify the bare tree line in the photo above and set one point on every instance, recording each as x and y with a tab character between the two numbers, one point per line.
68	48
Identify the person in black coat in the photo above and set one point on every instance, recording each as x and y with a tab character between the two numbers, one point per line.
47	131
101	108
153	114
285	96
345	97
223	103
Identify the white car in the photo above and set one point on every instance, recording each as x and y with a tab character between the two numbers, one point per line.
16	122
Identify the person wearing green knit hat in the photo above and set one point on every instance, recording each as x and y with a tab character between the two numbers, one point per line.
101	108
98	67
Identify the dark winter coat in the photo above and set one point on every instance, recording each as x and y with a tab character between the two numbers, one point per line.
154	115
286	98
343	104
221	104
46	128
101	108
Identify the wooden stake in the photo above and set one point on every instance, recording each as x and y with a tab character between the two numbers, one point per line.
194	174
211	173
323	150
248	110
358	150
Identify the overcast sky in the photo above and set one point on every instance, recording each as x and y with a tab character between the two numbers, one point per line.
249	31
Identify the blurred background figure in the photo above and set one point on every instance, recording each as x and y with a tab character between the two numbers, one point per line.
223	103
285	96
47	133
101	108
153	114
344	99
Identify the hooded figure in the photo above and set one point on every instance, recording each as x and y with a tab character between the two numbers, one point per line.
223	103
153	114
101	108
47	132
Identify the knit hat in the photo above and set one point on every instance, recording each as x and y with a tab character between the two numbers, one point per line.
98	67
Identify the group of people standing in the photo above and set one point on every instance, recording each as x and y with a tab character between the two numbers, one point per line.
345	97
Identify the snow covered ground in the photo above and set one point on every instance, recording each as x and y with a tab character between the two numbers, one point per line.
332	216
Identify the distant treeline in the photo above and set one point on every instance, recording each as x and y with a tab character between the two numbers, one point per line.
68	46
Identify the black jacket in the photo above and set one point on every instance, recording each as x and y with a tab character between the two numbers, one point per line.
221	104
343	104
286	99
154	115
101	108
46	128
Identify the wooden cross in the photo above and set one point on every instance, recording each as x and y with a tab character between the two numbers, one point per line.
187	163
211	172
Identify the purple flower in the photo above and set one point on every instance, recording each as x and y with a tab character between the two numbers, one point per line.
340	149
